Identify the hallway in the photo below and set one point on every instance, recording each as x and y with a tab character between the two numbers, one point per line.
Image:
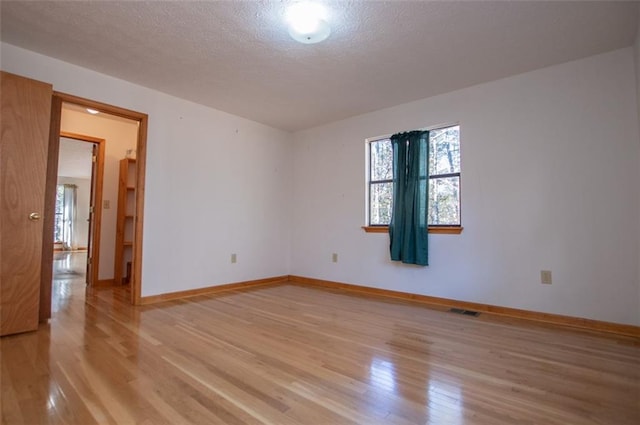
69	278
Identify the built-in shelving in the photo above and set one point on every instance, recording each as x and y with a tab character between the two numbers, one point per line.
125	222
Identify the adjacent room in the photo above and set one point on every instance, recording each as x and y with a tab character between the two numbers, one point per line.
320	212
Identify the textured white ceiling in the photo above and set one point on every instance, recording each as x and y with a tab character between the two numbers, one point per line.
236	56
74	158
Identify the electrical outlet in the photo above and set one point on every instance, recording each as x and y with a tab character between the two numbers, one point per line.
334	257
545	277
234	258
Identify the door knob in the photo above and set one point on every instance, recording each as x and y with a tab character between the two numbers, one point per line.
34	216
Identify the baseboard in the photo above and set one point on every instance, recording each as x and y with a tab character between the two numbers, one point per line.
557	319
152	299
104	283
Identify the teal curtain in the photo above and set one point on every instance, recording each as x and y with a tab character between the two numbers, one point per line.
408	226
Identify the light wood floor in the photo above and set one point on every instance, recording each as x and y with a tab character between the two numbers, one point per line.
294	355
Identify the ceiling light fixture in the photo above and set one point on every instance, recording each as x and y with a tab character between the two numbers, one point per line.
308	22
92	111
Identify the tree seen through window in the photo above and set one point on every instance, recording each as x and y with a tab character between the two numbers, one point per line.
444	179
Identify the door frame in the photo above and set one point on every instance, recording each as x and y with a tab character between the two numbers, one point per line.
52	168
97	179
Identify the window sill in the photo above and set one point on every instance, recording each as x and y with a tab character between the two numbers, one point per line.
441	230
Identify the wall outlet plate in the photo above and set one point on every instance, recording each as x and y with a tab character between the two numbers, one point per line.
234	258
545	277
334	257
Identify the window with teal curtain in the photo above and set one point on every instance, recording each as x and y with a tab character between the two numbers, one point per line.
408	226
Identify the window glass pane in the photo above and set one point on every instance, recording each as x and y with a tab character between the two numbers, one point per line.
444	201
381	200
58	223
381	160
444	150
57	228
59	199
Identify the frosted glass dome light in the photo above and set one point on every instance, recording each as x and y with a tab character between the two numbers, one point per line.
308	22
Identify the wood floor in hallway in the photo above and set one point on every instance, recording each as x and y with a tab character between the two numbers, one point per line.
289	354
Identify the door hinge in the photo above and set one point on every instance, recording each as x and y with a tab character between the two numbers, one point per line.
94	158
89	260
91	209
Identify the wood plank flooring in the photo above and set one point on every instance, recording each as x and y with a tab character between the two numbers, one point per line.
289	354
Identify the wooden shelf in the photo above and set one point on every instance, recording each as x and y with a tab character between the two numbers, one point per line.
125	221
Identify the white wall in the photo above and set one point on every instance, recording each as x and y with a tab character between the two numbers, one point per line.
637	57
550	172
636	48
551	161
216	183
119	135
83	197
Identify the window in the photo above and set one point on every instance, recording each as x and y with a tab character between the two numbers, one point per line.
444	179
58	227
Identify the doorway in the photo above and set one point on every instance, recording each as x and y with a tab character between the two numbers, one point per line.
99	204
77	223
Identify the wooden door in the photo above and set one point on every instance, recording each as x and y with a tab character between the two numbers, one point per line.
92	208
25	116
